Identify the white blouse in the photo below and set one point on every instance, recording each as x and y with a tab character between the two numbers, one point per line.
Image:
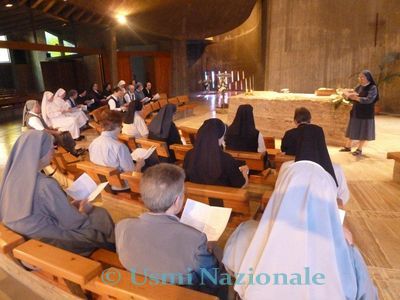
138	129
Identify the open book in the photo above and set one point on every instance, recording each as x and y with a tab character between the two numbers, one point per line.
156	97
211	220
85	188
142	153
145	99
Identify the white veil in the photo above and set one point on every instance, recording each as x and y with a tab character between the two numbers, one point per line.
300	228
46	96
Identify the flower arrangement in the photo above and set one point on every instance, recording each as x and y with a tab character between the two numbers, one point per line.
338	99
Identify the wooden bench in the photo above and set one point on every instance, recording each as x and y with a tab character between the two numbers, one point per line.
396	167
161	147
96	114
133	180
163	102
128	141
174	101
235	198
9	239
146	111
254	160
102	174
107	258
280	158
180	151
66	163
189	134
124	288
58	262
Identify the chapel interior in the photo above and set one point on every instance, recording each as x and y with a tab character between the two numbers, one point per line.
205	59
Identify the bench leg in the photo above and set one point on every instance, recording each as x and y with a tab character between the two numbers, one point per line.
396	172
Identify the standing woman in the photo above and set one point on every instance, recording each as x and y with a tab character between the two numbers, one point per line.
362	116
35	206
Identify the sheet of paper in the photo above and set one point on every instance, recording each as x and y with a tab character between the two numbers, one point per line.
97	191
342	214
211	220
142	153
85	188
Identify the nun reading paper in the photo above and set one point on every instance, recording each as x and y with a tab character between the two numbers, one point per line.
85	188
211	220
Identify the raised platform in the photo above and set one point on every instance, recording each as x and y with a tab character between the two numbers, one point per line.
273	113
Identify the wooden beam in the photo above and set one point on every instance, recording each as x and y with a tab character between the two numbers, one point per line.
44	47
79	15
48	6
37	3
69	13
22	2
60	7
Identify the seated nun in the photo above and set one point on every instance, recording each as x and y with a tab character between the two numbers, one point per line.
299	232
162	128
115	100
242	134
56	115
311	146
76	112
302	118
207	163
32	119
156	243
41	210
107	151
134	125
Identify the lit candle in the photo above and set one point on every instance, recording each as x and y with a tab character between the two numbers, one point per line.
245	82
242	74
250	84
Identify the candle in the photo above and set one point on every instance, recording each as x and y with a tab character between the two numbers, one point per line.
242	74
254	83
245	82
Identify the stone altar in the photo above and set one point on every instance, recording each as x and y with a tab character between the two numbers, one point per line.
273	113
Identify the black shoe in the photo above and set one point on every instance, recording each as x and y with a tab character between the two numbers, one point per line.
358	152
78	152
345	149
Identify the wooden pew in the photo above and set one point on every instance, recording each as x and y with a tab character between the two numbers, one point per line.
163	102
9	239
155	106
161	147
66	163
128	141
269	142
96	114
254	160
396	167
189	134
281	158
101	174
58	262
235	198
107	258
163	95
184	104
123	288
174	101
146	111
133	180
180	150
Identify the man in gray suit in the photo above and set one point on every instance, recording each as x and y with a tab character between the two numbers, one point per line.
157	245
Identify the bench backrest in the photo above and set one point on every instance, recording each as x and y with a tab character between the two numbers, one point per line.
155	106
97	113
162	102
180	150
128	141
189	134
234	198
183	99
393	155
101	174
281	158
9	239
161	147
269	142
254	160
133	180
125	288
146	111
173	100
58	262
